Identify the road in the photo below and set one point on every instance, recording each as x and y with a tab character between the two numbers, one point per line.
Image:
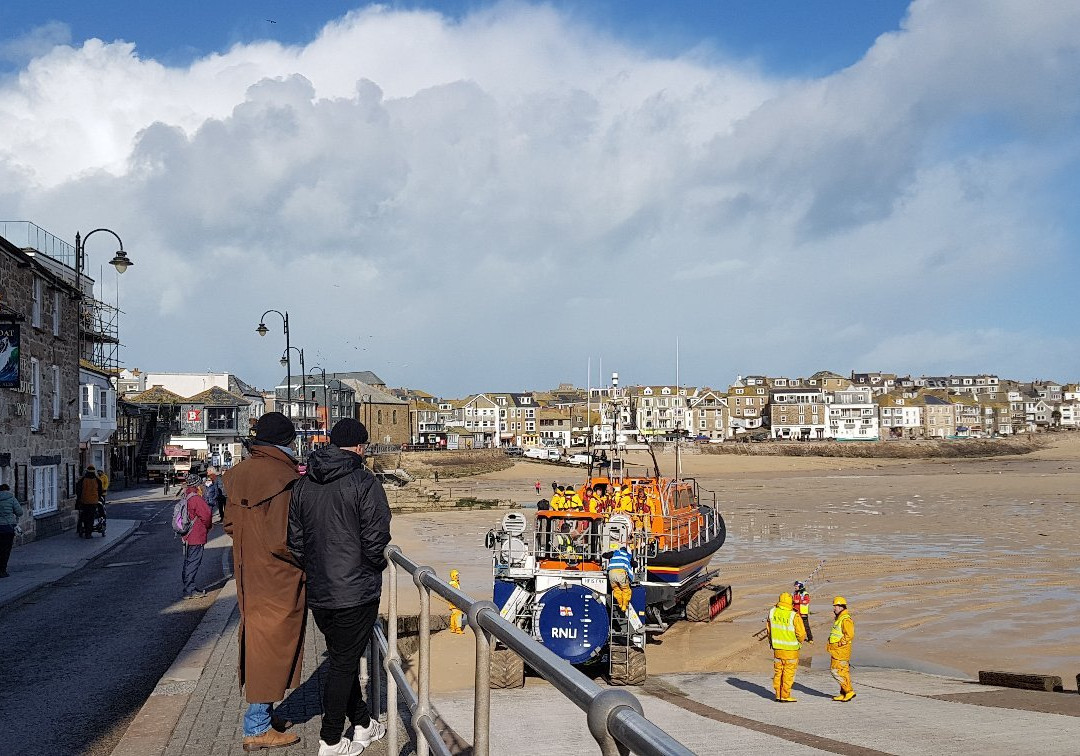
82	655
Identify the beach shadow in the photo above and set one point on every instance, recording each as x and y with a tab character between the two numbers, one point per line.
810	691
750	687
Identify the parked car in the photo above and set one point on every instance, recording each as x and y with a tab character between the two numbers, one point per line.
514	451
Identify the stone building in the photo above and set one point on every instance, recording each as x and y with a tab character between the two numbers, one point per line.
39	388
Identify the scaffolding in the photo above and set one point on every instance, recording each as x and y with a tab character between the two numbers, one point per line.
99	336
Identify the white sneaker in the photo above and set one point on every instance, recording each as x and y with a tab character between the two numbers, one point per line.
343	747
365	736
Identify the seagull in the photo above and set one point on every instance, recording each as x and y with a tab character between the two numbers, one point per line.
271	21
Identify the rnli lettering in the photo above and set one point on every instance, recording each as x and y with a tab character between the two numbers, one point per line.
564	632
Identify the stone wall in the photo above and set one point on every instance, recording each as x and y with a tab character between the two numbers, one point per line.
56	442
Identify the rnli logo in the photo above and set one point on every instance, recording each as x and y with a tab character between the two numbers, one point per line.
566	611
569	633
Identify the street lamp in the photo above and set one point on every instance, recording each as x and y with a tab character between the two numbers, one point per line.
303	382
120	260
262	330
326	405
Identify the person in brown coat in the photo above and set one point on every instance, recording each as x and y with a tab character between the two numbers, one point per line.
269	590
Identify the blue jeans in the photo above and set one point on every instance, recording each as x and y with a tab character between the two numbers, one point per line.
192	560
257	719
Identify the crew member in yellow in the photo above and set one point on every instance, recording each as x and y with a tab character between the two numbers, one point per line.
624	501
558	498
574	500
595	499
786	635
843	633
457	617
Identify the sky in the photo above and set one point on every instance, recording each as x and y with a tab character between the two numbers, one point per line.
493	196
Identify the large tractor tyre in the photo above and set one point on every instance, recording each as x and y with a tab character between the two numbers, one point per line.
699	607
627	667
507	670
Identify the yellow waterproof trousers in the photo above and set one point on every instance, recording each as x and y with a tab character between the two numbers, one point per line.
841	672
784	676
620	587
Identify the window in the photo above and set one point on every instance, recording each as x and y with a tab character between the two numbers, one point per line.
43	490
220	418
56	313
35	312
394	418
35	394
380	418
56	392
86	407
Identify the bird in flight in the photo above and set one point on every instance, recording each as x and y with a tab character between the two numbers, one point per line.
271	21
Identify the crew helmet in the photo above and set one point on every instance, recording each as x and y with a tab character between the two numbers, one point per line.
839	601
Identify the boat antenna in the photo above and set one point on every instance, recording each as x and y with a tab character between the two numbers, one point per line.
588	418
678	422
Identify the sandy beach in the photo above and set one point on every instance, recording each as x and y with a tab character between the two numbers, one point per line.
949	566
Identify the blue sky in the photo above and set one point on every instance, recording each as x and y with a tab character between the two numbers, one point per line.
787	36
483	196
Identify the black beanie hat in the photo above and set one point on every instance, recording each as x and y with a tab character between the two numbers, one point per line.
275	428
348	432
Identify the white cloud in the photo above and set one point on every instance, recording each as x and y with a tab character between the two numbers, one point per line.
38	41
497	198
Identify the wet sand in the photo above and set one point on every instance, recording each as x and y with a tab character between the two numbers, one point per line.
948	566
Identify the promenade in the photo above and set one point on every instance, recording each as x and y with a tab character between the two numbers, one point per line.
196	710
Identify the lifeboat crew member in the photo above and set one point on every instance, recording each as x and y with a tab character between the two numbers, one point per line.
624	501
457	617
558	498
840	639
574	500
619	570
786	634
801	600
597	498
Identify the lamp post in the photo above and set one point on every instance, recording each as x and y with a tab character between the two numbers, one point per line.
303	383
120	260
326	405
262	330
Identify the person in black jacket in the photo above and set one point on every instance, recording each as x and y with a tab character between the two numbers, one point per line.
339	527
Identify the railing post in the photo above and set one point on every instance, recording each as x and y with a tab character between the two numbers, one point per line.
482	679
376	677
423	708
392	654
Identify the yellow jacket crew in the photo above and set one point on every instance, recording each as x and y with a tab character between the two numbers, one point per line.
840	639
457	617
786	635
558	498
624	501
574	501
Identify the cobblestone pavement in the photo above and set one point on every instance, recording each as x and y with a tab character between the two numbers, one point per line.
211	724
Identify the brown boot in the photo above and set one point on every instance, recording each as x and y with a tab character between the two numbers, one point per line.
269	739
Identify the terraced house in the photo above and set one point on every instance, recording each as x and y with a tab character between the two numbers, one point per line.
748	399
709	417
798	413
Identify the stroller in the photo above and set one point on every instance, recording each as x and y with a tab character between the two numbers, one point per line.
100	520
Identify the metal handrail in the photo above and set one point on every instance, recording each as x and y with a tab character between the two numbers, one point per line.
614	716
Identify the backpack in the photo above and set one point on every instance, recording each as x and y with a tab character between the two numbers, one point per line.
181	517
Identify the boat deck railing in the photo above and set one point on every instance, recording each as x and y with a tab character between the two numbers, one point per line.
614	716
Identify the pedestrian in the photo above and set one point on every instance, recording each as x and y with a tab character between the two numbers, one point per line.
215	496
10	512
802	600
269	590
786	634
538	487
436	476
195	539
339	526
839	647
87	501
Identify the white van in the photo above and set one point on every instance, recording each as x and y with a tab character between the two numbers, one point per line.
579	459
537	452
